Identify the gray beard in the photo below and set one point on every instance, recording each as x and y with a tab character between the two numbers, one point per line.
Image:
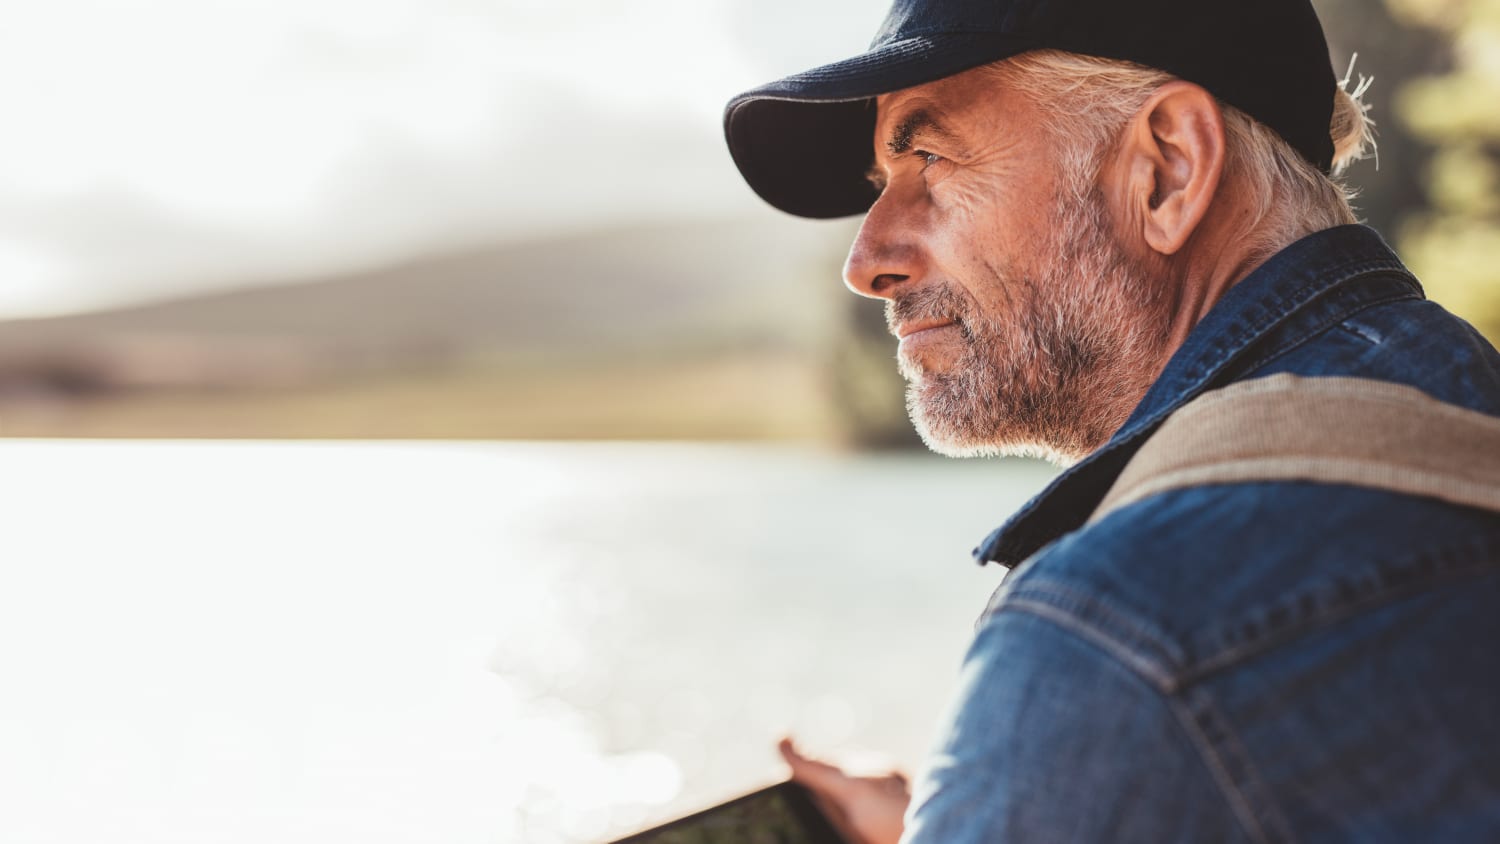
1061	372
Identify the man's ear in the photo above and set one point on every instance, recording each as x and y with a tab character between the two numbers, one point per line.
1173	154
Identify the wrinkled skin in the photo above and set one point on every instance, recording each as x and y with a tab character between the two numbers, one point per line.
1025	327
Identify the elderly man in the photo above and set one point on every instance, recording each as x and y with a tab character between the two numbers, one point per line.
1083	215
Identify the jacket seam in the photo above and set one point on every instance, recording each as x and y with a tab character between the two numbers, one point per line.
1162	681
1340	613
1333	320
1126	631
1050	591
1214	756
1330	284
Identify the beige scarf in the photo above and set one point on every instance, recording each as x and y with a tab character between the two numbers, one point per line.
1329	430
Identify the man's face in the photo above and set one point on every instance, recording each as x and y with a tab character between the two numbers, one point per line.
1025	326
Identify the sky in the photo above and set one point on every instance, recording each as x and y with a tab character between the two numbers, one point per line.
159	147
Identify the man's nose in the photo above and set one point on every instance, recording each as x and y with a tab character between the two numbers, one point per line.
883	258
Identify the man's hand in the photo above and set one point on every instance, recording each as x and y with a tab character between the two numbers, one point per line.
867	810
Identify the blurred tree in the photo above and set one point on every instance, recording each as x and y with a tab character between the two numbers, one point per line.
866	385
860	372
1454	245
1393	185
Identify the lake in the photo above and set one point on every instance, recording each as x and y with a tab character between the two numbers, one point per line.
537	642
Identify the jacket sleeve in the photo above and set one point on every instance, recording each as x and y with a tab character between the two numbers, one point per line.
1052	739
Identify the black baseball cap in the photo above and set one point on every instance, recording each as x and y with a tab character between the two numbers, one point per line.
804	143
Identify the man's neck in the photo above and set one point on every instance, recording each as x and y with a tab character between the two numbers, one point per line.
1229	246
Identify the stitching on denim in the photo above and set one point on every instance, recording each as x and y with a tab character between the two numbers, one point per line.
1262	329
1478	562
1335	613
1287	305
1332	321
1129	626
1171	702
1260	792
1148	670
1219	766
1210	757
1240	784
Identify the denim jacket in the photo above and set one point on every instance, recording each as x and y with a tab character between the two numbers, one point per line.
1252	662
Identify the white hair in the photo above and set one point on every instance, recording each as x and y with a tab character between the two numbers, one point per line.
1090	100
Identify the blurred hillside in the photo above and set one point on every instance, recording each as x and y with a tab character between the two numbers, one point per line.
704	330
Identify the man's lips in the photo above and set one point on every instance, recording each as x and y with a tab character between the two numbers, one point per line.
909	329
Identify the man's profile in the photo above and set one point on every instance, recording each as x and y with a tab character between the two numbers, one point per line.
1085	216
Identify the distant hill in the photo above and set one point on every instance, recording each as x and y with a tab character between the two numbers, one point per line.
728	323
647	287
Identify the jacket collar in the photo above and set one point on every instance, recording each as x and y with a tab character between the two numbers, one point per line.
1307	287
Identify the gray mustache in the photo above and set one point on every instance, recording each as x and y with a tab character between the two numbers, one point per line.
927	303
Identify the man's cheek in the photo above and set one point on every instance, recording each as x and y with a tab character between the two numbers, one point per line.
962	208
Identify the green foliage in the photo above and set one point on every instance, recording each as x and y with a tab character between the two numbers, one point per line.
1455	245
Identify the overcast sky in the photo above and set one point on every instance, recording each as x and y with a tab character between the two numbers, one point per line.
158	146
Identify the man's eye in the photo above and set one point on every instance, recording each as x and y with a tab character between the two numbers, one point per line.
928	158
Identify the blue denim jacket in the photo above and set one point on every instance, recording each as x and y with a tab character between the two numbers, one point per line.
1254	662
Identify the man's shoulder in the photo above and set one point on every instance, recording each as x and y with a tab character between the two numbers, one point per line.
1194	577
1204	577
1412	342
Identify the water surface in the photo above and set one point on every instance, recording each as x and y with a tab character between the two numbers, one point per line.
464	643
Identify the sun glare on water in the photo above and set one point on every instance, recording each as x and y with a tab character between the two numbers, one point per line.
461	643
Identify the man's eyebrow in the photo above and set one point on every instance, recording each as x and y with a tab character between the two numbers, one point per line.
911	127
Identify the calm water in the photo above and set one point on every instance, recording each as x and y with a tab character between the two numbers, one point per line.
464	643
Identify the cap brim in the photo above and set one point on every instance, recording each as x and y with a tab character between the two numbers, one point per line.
806	142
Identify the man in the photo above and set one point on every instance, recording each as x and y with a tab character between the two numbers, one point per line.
1083	214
